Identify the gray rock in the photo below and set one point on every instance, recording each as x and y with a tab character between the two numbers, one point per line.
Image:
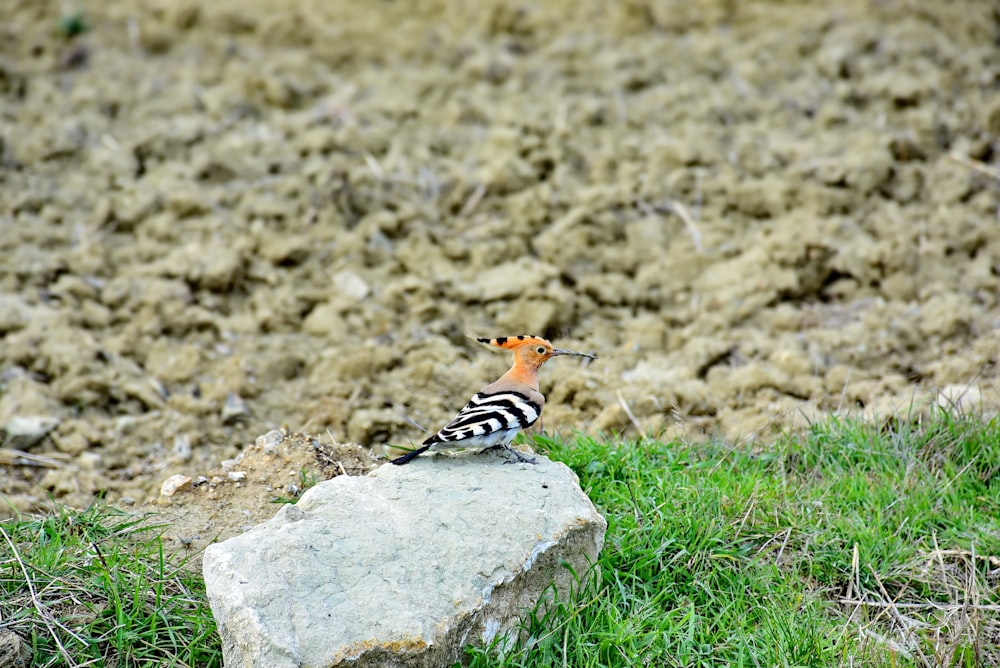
403	567
349	284
22	432
270	441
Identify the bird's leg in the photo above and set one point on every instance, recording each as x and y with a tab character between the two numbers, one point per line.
517	455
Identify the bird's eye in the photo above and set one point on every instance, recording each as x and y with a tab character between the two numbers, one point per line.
540	350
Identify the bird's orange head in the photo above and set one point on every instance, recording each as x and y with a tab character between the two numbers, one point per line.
530	352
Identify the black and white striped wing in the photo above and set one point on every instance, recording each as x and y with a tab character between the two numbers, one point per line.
488	420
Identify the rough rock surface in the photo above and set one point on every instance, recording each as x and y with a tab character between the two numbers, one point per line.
403	567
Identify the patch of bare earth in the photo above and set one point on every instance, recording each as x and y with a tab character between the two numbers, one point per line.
220	218
247	490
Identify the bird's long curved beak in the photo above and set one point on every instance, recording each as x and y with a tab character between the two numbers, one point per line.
559	351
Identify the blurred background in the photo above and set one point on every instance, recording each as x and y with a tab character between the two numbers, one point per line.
221	218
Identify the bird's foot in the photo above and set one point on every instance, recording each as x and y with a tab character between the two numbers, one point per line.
520	459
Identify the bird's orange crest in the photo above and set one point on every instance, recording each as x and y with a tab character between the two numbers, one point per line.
513	342
530	352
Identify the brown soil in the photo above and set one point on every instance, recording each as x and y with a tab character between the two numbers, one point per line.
245	491
220	218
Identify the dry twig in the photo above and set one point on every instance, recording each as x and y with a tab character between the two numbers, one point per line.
631	415
689	222
894	607
12	457
678	209
473	201
974	164
944	607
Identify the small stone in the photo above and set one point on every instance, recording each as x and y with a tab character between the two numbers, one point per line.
174	484
270	441
236	476
22	432
235	410
351	285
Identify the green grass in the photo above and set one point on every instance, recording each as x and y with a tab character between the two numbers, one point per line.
93	587
852	545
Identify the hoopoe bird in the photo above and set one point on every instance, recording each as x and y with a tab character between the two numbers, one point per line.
495	414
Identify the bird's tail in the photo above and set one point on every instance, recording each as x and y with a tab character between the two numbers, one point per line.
399	461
